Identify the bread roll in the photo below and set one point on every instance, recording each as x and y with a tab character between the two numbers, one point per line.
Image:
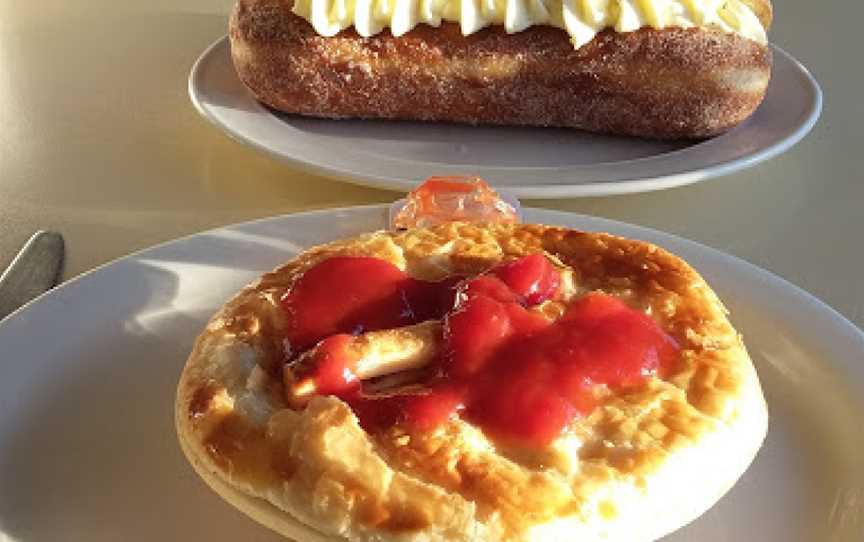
658	83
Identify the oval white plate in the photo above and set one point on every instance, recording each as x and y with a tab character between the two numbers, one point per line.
88	372
527	162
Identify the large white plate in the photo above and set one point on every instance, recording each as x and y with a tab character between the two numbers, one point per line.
528	162
88	373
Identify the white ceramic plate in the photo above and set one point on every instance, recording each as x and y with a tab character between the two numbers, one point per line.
527	162
88	372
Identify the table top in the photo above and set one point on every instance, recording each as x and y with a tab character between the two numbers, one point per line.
100	142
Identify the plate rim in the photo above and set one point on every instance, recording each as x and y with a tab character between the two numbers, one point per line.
536	191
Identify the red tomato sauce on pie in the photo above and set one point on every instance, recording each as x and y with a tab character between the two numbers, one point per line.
349	294
515	373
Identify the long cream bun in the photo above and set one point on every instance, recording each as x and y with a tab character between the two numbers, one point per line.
670	69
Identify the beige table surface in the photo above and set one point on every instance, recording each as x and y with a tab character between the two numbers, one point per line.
98	140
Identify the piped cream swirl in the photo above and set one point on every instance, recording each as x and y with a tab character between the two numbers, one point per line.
582	19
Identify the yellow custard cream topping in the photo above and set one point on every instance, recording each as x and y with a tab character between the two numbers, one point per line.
582	19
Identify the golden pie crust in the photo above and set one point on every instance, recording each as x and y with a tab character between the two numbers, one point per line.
642	464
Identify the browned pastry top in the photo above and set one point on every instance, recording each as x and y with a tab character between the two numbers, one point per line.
643	463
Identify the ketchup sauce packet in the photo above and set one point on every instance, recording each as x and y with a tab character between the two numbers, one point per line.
446	199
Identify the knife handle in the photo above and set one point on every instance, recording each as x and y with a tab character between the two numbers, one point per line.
36	269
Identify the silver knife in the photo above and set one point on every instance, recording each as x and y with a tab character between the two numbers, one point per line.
36	269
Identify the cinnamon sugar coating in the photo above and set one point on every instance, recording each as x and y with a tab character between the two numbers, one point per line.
670	83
